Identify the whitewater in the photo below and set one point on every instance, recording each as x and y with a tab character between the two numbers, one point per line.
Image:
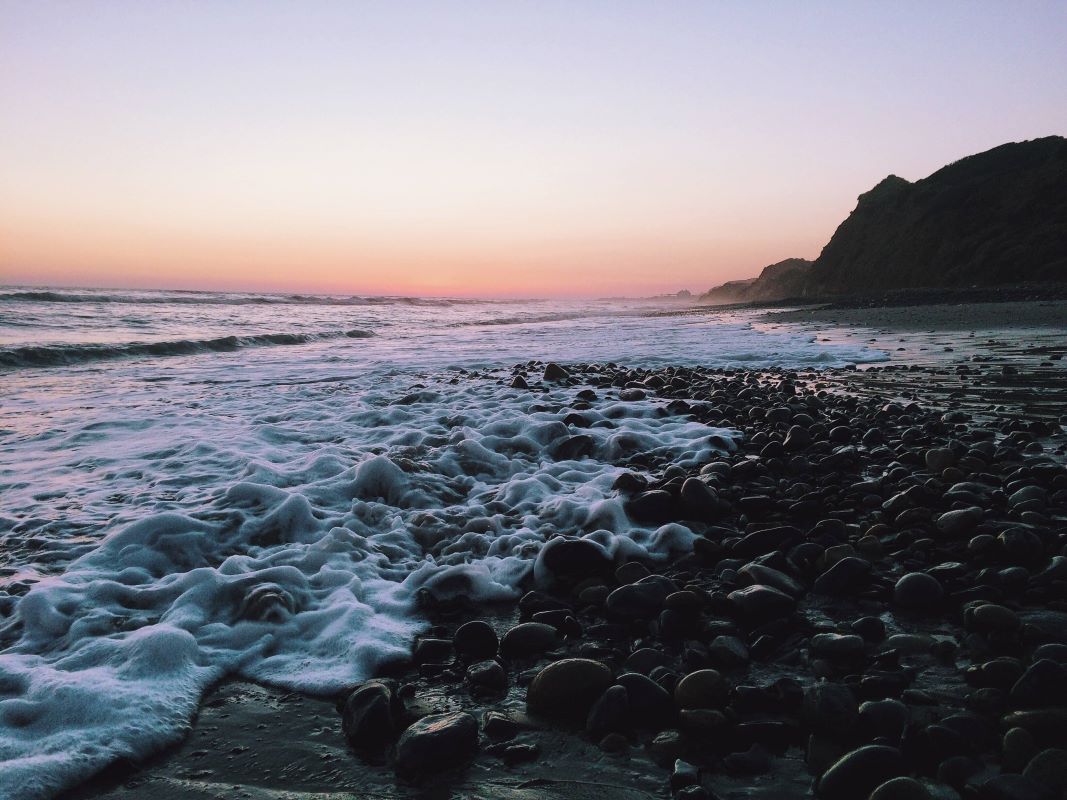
201	485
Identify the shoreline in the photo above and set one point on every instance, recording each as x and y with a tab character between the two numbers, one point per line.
832	534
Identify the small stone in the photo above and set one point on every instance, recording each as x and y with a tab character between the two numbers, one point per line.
918	592
902	788
830	708
554	373
728	652
487	675
475	640
567	559
939	459
371	714
846	577
528	639
857	774
642	600
1049	768
650	704
837	647
959	522
758	604
704	688
1043	684
436	742
610	713
1017	748
567	688
1014	787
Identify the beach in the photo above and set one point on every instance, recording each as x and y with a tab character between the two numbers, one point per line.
858	575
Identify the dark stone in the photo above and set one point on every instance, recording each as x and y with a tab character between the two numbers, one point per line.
609	714
432	651
759	604
554	372
475	640
488	676
1043	684
436	742
370	715
847	576
567	688
528	639
918	592
654	506
643	599
650	704
574	448
769	540
857	774
572	559
830	708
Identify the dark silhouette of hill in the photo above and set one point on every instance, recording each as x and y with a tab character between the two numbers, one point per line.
991	219
785	279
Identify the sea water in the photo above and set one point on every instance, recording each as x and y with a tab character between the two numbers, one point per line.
195	485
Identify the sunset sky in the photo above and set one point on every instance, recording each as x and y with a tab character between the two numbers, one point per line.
496	148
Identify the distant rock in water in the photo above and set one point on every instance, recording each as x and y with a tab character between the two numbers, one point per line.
991	219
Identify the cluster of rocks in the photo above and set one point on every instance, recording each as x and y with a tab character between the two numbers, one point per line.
878	585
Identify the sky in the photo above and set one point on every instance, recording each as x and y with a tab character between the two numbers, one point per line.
485	149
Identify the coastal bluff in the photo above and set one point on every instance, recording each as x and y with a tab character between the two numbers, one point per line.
991	219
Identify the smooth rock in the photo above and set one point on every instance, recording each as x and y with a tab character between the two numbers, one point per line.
567	688
436	742
857	774
704	688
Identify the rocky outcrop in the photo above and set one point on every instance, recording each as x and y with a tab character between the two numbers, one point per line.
991	219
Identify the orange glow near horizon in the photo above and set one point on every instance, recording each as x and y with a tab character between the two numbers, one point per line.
472	149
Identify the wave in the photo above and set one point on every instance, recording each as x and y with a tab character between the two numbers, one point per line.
67	354
195	298
560	316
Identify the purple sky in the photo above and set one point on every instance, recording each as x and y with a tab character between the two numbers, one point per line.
486	148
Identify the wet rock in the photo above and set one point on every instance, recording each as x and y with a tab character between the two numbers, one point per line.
991	617
758	604
436	742
370	715
871	629
728	652
500	727
1043	684
1013	787
857	774
684	774
650	704
847	576
902	788
939	459
769	540
1017	748
610	713
959	522
830	708
528	639
918	592
653	506
837	647
567	688
554	373
567	559
574	448
433	651
475	640
883	718
753	761
643	599
698	500
519	382
704	688
488	676
1049	768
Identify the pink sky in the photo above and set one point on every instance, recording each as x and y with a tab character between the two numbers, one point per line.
485	149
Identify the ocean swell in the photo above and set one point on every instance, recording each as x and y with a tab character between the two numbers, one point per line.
67	354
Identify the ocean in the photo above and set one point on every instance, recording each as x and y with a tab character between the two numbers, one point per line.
199	485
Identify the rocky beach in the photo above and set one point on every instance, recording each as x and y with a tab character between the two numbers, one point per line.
867	599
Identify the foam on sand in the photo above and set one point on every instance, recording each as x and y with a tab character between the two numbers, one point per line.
307	575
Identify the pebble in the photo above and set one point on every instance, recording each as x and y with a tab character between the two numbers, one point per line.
567	688
918	592
528	639
370	715
475	640
436	742
704	688
860	772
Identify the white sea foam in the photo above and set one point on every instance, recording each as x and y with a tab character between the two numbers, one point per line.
278	513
